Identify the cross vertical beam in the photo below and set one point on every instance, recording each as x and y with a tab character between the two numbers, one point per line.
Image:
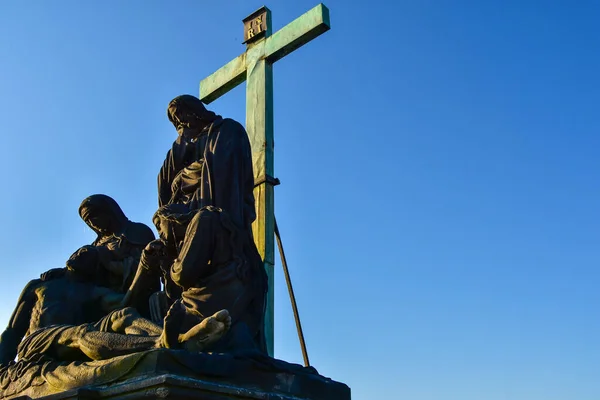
259	125
255	66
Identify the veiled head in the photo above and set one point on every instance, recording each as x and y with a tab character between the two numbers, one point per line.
102	214
188	114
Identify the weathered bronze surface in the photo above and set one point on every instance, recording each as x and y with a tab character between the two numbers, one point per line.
177	374
191	304
205	222
255	66
66	295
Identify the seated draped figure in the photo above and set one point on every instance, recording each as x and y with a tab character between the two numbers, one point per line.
201	255
207	252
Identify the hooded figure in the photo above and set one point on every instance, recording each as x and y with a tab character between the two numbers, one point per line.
210	165
119	242
99	208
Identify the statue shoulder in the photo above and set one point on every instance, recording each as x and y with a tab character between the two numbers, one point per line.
138	233
232	125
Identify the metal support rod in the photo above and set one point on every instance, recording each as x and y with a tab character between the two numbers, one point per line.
288	280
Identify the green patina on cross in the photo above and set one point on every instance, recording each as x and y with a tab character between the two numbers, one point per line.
256	67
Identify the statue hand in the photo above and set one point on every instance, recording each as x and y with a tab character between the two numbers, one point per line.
118	249
156	248
153	253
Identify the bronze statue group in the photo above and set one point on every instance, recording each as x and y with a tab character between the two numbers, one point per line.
199	287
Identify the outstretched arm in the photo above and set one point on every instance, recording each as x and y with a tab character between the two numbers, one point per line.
19	323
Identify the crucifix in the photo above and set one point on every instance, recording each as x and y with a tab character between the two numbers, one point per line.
255	66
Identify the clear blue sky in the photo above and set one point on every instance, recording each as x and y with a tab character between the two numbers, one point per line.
439	163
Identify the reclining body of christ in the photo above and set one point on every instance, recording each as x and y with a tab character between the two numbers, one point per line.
59	330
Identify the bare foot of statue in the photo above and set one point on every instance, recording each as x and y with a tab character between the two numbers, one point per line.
207	332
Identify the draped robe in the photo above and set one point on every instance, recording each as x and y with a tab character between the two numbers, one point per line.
216	171
221	175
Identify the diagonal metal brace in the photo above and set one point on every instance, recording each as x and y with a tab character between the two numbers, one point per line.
288	280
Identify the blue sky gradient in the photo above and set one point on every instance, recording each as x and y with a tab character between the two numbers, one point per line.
439	162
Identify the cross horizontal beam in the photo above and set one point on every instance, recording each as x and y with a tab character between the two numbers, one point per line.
292	36
223	80
297	33
255	66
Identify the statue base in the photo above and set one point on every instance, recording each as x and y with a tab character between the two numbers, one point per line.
169	374
177	387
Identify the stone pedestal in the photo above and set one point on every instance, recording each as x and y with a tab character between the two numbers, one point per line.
170	374
177	387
